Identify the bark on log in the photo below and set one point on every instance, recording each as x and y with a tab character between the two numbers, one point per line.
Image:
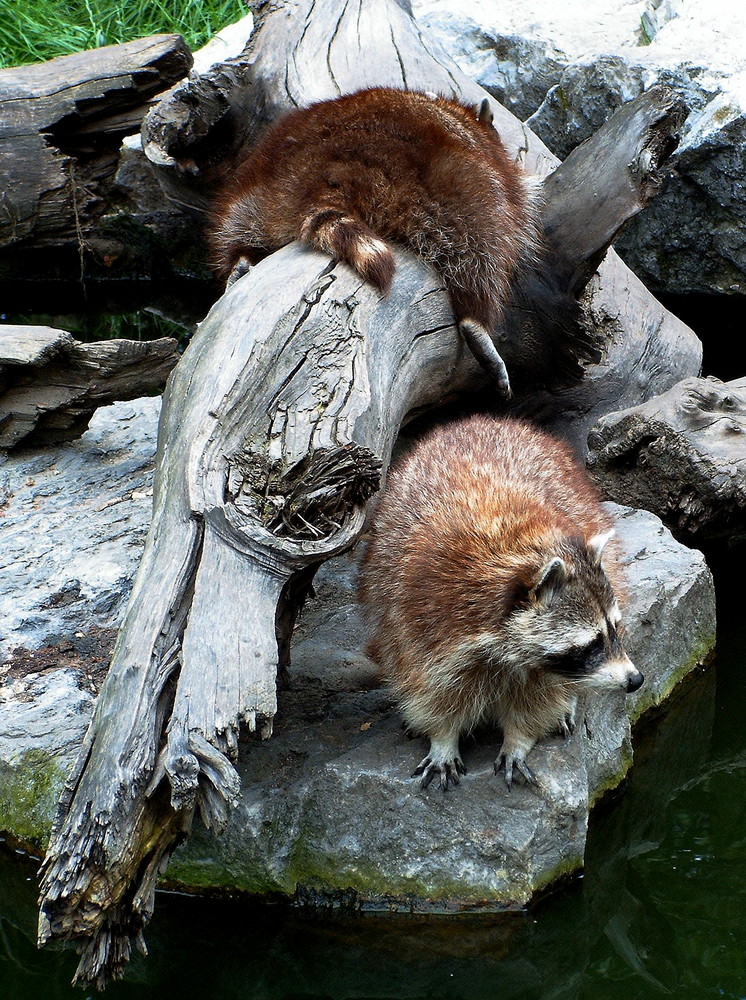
60	133
280	416
681	455
50	384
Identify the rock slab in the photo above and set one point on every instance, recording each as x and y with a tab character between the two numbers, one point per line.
564	68
327	804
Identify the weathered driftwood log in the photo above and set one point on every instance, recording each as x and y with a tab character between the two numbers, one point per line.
628	346
50	384
681	455
275	426
61	129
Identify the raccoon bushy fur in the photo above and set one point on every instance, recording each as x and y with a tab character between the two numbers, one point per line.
484	583
348	175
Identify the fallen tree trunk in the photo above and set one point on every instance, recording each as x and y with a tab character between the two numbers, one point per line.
50	384
276	425
62	128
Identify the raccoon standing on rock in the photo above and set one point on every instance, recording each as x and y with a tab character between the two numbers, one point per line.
350	174
484	581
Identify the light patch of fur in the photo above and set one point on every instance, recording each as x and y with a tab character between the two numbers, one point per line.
369	249
613	674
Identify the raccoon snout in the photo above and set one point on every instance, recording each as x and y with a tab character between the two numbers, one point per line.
635	681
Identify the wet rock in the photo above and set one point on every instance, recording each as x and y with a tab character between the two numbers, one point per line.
681	455
43	717
327	803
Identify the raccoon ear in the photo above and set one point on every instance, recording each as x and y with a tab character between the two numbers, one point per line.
484	111
551	577
597	544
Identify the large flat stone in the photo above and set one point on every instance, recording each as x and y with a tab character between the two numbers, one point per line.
327	803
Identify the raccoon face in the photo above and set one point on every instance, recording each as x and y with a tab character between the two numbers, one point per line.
572	625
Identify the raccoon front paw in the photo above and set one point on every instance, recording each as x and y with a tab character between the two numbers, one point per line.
567	724
448	770
508	760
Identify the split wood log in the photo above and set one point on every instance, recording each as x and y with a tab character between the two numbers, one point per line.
51	385
276	426
681	455
61	129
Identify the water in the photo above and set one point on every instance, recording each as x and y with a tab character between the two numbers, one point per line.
660	910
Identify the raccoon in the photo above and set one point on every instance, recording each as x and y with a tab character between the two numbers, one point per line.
349	175
484	580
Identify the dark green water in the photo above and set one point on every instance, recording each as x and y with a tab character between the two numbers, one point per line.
660	910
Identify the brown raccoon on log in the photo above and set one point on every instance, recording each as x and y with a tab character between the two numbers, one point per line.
484	582
348	175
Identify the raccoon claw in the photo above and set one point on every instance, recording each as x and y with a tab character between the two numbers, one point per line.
567	727
508	761
240	268
448	770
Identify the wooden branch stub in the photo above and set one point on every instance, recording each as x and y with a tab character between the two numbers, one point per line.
607	180
681	455
50	384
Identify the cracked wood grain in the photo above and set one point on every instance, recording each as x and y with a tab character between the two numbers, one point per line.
60	118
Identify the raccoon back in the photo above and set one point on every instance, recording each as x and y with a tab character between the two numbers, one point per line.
381	165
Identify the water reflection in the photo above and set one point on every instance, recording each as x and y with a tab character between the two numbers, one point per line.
661	909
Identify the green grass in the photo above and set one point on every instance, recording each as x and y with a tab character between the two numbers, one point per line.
36	30
142	325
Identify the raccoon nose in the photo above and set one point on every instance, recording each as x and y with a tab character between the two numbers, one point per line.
634	681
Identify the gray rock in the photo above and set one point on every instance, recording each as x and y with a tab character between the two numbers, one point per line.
681	455
72	524
43	717
566	68
327	803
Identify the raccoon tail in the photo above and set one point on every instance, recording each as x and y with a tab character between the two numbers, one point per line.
348	239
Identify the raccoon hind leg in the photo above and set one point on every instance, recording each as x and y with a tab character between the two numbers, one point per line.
482	346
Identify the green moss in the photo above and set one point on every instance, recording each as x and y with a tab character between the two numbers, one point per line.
562	98
565	869
643	35
28	796
702	652
723	115
613	780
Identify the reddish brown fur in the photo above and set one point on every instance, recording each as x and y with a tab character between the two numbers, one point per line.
465	524
467	527
421	171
